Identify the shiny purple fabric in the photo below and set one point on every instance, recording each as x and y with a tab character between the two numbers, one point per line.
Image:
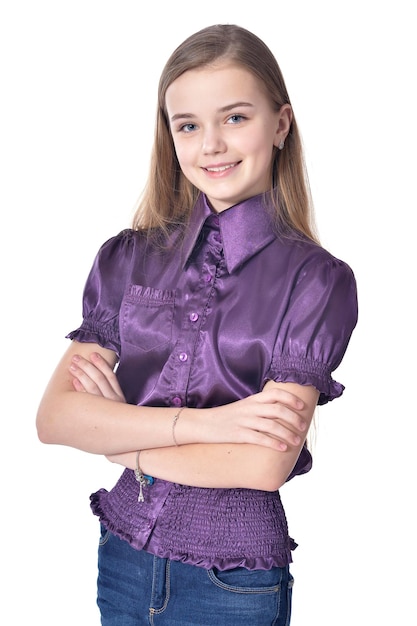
203	322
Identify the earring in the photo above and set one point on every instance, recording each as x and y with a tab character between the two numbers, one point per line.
281	145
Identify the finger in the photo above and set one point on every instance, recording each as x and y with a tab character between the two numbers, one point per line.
77	385
107	371
278	430
262	439
281	413
82	382
273	393
92	379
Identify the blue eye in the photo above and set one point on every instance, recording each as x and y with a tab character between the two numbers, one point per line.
188	128
235	119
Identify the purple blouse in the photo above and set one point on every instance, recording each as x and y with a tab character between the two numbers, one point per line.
202	322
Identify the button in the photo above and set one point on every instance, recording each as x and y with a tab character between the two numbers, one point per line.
207	278
193	317
176	401
183	356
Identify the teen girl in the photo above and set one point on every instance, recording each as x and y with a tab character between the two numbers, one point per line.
210	332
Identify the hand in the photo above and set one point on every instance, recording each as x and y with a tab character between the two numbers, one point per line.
95	376
274	418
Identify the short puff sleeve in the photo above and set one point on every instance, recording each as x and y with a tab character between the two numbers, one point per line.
317	326
103	293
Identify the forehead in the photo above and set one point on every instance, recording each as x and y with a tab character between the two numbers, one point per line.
213	85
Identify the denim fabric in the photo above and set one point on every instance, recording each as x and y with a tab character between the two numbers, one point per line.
136	588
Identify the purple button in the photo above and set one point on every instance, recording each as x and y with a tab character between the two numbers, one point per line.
183	356
207	278
176	401
193	317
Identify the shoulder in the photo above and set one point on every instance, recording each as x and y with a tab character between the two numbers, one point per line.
307	259
132	252
317	281
129	241
125	241
119	250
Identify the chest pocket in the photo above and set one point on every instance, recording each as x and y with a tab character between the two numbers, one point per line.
147	317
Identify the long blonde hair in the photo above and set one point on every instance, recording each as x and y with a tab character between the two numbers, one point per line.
169	197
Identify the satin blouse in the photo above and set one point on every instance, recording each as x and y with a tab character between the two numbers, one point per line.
204	320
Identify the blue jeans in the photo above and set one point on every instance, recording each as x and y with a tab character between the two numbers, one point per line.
137	589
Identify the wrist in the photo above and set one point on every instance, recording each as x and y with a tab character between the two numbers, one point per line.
188	426
174	425
202	425
191	425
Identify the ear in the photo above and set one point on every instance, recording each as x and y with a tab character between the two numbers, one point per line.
284	119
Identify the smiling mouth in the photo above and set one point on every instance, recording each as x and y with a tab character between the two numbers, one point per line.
221	168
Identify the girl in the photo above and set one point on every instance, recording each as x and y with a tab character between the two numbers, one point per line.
210	332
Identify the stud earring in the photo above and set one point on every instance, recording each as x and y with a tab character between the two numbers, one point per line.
281	145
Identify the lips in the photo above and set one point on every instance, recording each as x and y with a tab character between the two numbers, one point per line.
221	167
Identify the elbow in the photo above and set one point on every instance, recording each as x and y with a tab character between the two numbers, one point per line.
273	484
269	480
273	469
42	431
44	428
50	420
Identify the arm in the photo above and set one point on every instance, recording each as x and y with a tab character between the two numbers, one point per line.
93	423
228	465
214	464
99	421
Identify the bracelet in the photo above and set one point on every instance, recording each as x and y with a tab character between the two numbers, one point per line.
174	423
142	478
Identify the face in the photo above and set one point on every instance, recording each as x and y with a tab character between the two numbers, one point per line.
224	131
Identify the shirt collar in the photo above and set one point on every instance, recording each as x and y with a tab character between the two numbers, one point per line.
245	229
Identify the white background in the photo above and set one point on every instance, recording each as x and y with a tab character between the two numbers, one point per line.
78	92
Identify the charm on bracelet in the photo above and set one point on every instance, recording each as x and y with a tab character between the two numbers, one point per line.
142	479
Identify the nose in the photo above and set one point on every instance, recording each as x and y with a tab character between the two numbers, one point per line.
213	141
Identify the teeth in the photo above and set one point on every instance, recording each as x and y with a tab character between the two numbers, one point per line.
219	169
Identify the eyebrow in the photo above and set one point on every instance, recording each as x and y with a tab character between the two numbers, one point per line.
228	107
